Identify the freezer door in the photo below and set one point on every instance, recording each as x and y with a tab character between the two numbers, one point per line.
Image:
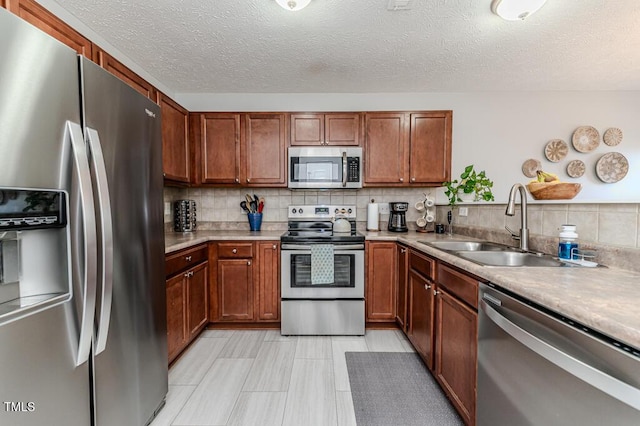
40	381
131	372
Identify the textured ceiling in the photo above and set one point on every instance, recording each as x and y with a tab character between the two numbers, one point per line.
358	46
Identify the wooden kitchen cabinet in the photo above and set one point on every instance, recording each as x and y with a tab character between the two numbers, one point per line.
421	310
380	295
121	71
246	149
187	297
457	338
268	281
263	150
175	141
340	129
404	149
402	286
235	281
38	16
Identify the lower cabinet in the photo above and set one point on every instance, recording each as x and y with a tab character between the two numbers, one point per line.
421	306
187	297
402	293
245	285
457	338
380	293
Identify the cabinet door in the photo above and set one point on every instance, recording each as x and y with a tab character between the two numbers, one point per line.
430	147
220	148
381	281
456	353
342	129
197	299
235	289
385	149
175	140
421	314
268	277
263	150
401	288
41	18
121	71
307	129
176	315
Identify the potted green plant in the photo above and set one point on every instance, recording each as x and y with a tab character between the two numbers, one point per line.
476	184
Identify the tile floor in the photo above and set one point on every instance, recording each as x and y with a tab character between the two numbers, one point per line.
258	377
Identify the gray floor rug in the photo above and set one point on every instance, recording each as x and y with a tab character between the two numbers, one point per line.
393	389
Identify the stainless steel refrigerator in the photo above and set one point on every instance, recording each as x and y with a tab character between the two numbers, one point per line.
82	297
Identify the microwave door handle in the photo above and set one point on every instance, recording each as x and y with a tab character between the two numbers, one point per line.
81	167
106	232
344	168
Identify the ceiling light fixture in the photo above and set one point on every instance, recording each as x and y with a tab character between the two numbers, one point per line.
516	10
293	5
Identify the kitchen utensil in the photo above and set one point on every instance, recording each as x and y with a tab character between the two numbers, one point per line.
248	198
254	207
260	205
243	204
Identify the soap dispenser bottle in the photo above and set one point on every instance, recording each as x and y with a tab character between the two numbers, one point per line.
568	242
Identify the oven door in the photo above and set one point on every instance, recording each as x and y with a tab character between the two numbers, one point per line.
295	273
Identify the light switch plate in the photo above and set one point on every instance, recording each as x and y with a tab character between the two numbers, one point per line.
383	208
464	211
167	208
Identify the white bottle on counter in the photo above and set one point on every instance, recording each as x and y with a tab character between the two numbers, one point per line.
568	242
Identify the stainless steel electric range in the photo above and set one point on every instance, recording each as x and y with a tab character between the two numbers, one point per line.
310	306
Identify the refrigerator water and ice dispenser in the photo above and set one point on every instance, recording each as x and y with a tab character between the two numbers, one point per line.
34	257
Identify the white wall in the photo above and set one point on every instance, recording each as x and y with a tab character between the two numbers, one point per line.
495	131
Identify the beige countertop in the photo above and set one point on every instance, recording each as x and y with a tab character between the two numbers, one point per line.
605	299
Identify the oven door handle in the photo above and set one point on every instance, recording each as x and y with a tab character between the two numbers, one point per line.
336	247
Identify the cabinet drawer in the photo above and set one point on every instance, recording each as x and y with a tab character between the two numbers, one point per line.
422	264
461	285
184	259
235	250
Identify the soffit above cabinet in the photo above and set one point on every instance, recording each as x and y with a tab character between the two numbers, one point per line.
351	46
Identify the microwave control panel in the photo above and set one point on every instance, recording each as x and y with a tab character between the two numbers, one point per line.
353	169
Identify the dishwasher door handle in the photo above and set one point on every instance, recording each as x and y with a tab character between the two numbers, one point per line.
598	379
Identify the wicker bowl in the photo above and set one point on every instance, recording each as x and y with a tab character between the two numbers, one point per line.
551	191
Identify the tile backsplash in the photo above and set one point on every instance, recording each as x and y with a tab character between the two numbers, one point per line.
613	229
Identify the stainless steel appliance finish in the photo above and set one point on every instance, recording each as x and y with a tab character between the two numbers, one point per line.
325	167
536	367
336	308
83	340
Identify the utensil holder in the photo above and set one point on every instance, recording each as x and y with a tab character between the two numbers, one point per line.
255	221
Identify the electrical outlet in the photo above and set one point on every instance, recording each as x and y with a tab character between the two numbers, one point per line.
383	208
463	211
167	208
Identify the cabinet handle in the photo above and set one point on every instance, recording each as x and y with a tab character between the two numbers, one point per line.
275	246
248	263
403	250
234	251
427	286
237	180
187	258
248	180
401	179
413	179
436	292
186	275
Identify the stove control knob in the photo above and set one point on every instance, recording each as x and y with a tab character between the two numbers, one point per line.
349	211
342	210
336	211
300	210
294	211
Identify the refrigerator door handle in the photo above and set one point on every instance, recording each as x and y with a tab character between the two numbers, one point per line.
81	167
106	231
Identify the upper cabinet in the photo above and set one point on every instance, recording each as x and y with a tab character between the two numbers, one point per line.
247	149
341	129
41	18
118	69
407	148
175	141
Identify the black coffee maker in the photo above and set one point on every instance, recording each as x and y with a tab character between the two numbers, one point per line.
397	216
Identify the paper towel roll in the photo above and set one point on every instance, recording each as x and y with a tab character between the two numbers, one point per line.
373	220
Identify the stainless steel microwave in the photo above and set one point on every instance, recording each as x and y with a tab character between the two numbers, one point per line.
325	167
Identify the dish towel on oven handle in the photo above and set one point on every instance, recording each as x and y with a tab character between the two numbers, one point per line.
322	264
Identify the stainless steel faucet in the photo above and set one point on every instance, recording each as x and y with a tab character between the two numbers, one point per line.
524	231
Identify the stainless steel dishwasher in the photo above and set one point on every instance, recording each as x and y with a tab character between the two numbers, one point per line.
536	367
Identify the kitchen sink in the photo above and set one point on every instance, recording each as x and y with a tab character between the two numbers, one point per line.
467	245
509	258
